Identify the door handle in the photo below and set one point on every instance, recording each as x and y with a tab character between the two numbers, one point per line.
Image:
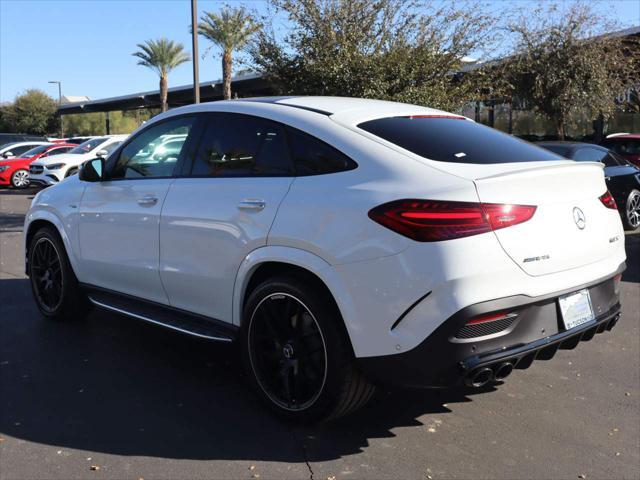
251	204
147	200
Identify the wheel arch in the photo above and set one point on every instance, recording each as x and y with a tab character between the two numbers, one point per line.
268	261
37	221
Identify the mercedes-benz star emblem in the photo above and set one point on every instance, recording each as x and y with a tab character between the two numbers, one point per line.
578	217
287	351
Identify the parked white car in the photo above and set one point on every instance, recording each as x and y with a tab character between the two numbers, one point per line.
16	149
341	242
51	170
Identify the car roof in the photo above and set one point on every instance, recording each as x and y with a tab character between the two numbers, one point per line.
335	105
309	112
61	145
625	136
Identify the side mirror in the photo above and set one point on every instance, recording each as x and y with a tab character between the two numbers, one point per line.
7	154
92	170
102	153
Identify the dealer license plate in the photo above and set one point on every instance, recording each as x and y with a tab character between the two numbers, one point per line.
576	309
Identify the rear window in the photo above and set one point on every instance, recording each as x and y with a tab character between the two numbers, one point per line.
455	140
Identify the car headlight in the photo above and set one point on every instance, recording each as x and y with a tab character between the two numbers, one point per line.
55	166
3	168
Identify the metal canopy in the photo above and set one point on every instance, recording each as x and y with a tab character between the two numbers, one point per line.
246	85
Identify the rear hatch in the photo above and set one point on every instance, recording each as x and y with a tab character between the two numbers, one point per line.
570	228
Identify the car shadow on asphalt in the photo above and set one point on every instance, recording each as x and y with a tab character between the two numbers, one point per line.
114	385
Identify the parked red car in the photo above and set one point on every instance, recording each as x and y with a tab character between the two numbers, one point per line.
626	145
15	171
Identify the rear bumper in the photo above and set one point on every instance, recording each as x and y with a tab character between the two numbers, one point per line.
443	360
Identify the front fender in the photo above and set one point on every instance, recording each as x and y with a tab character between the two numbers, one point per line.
58	207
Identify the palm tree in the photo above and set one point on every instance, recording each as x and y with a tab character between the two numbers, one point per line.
230	30
161	55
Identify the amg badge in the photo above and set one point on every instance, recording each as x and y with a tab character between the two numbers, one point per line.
536	259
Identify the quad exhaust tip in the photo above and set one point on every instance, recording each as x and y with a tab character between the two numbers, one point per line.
480	377
502	371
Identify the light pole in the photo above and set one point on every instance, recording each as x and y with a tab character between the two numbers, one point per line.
194	47
59	103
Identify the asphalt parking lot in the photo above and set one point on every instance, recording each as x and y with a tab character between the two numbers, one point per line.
112	398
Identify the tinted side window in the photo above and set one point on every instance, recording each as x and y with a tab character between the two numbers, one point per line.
314	157
147	155
235	145
111	147
17	151
455	140
589	155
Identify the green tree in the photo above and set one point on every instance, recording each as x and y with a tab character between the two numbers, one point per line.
563	66
94	123
403	50
230	30
5	121
31	112
161	55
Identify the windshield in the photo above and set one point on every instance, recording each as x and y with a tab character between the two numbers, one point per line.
455	140
87	146
35	151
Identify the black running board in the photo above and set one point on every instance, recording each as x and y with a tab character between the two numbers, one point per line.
162	315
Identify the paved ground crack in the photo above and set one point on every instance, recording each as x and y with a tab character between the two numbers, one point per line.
306	459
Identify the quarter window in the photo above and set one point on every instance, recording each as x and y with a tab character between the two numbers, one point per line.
235	145
154	152
314	157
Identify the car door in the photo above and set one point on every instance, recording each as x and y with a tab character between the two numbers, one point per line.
119	217
221	210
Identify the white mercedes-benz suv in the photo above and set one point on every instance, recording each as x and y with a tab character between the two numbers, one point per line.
340	242
54	169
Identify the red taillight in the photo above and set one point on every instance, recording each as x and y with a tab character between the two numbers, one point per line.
435	220
608	200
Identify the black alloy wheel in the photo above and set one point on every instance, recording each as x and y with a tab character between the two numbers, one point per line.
53	282
287	351
297	352
46	275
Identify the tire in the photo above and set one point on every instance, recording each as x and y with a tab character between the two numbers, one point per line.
54	285
303	369
71	171
20	179
631	215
